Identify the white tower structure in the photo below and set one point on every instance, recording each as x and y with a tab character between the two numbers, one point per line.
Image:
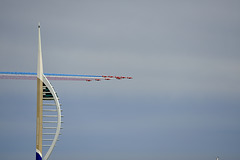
47	103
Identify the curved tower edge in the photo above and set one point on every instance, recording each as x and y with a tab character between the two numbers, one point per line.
50	87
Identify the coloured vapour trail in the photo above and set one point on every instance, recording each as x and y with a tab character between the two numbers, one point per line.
49	112
54	76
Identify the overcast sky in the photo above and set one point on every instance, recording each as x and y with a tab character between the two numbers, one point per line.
183	102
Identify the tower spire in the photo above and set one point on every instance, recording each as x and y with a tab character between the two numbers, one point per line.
40	65
39	100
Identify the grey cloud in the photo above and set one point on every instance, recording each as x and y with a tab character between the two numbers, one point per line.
183	56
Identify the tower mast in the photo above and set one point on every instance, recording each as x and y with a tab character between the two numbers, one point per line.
39	99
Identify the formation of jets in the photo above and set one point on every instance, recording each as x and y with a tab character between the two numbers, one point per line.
109	78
